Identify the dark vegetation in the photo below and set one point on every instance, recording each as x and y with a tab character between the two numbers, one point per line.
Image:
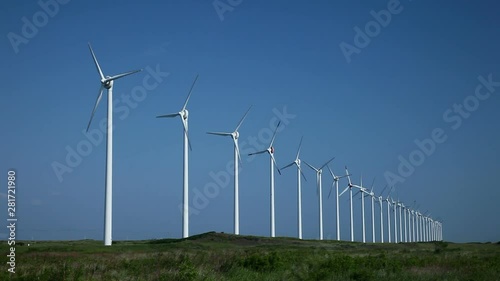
216	256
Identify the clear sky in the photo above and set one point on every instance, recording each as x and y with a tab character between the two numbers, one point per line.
366	104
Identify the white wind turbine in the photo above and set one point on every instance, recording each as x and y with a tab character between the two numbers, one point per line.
381	201
319	171
388	218
296	162
400	222
237	159
107	83
362	190
403	209
372	195
394	205
336	183
349	187
183	114
270	151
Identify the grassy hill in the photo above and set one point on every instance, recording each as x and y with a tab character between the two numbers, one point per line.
218	256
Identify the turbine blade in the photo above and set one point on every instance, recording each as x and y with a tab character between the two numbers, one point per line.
300	145
168	115
274	134
373	182
356	193
348	176
382	193
344	191
237	148
289	165
96	64
99	96
184	124
275	165
122	75
242	119
258	152
331	188
310	166
300	169
331	172
327	163
219	133
190	91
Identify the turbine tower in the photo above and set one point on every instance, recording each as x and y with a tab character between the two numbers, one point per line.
394	205
372	195
388	218
362	190
319	171
296	162
183	114
381	201
270	151
336	183
349	187
107	83
237	160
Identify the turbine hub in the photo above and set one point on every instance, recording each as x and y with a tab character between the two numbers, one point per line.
271	149
108	84
236	135
185	114
297	161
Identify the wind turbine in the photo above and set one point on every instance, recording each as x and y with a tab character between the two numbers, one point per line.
336	183
394	205
237	159
381	202
362	190
183	114
296	162
372	195
388	217
349	187
319	171
400	222
403	209
107	83
270	151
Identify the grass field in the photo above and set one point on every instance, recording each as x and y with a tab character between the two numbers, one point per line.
217	256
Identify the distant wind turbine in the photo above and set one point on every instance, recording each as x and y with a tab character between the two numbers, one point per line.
336	183
296	162
319	171
349	187
107	83
237	159
183	114
270	151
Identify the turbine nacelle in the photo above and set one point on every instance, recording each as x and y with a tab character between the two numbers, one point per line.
235	135
184	114
107	83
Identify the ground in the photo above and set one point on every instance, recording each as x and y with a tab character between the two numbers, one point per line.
218	256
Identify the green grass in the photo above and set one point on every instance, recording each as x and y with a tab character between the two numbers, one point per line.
216	256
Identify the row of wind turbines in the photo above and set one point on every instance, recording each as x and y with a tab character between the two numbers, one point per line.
418	227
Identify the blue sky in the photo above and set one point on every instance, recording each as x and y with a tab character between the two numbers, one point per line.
279	55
